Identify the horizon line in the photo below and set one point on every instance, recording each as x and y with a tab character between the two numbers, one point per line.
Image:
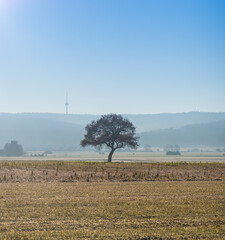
98	114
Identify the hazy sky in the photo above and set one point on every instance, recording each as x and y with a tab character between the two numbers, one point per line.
122	56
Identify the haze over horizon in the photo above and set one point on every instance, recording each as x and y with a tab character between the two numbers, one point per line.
128	57
95	114
63	132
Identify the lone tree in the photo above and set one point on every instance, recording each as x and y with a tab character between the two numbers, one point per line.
111	130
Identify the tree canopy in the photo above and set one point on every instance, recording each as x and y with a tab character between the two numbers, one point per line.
13	149
111	130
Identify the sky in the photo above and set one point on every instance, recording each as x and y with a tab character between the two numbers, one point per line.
112	56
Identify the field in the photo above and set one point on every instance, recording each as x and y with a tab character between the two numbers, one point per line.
55	199
73	171
149	157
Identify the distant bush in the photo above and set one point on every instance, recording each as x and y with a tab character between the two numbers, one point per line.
47	152
173	153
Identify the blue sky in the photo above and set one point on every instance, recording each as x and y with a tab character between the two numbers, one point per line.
122	56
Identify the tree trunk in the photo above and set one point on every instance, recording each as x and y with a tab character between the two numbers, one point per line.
110	154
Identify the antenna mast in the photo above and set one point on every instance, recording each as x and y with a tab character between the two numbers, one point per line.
67	103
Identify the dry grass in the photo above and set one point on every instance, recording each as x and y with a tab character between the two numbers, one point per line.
96	200
118	210
73	171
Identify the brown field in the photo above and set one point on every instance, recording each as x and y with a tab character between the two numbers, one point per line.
96	200
106	210
73	171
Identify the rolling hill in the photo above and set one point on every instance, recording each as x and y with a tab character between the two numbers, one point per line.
37	133
204	134
44	131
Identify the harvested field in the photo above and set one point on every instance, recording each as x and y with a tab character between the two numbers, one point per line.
98	200
73	171
118	210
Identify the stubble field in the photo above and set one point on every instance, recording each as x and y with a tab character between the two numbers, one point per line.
90	200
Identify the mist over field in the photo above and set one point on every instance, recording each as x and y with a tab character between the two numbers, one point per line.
40	131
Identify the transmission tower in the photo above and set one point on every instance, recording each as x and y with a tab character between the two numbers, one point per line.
67	103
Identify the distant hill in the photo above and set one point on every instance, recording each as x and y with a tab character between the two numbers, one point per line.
204	134
63	132
37	133
143	122
149	122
